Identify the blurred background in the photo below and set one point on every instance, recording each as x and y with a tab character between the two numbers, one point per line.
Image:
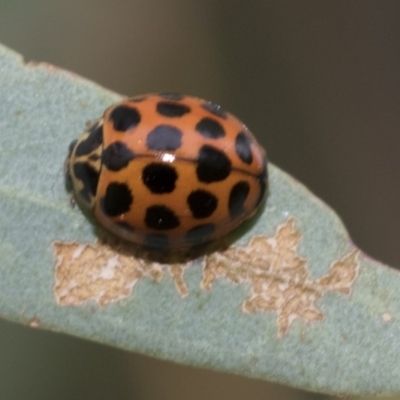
316	81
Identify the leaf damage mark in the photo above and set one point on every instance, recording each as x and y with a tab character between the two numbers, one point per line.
279	277
101	273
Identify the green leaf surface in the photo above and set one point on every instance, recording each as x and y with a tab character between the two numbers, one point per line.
311	311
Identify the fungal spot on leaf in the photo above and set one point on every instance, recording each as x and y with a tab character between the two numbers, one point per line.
279	276
105	274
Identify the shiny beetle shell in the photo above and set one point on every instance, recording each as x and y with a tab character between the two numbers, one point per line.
168	171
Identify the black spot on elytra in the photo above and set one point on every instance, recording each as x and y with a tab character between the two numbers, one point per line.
243	148
124	118
202	203
237	198
157	240
171	96
172	110
159	177
91	143
212	165
200	234
210	129
161	218
214	109
117	200
117	156
89	177
164	138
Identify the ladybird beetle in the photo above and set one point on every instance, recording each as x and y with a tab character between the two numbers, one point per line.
167	171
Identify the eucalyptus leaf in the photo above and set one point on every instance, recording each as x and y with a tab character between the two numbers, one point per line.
291	301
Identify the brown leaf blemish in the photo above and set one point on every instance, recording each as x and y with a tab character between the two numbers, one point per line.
279	277
177	271
104	274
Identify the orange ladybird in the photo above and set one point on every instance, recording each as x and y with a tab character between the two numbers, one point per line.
168	171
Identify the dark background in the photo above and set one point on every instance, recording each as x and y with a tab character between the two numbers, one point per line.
316	81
